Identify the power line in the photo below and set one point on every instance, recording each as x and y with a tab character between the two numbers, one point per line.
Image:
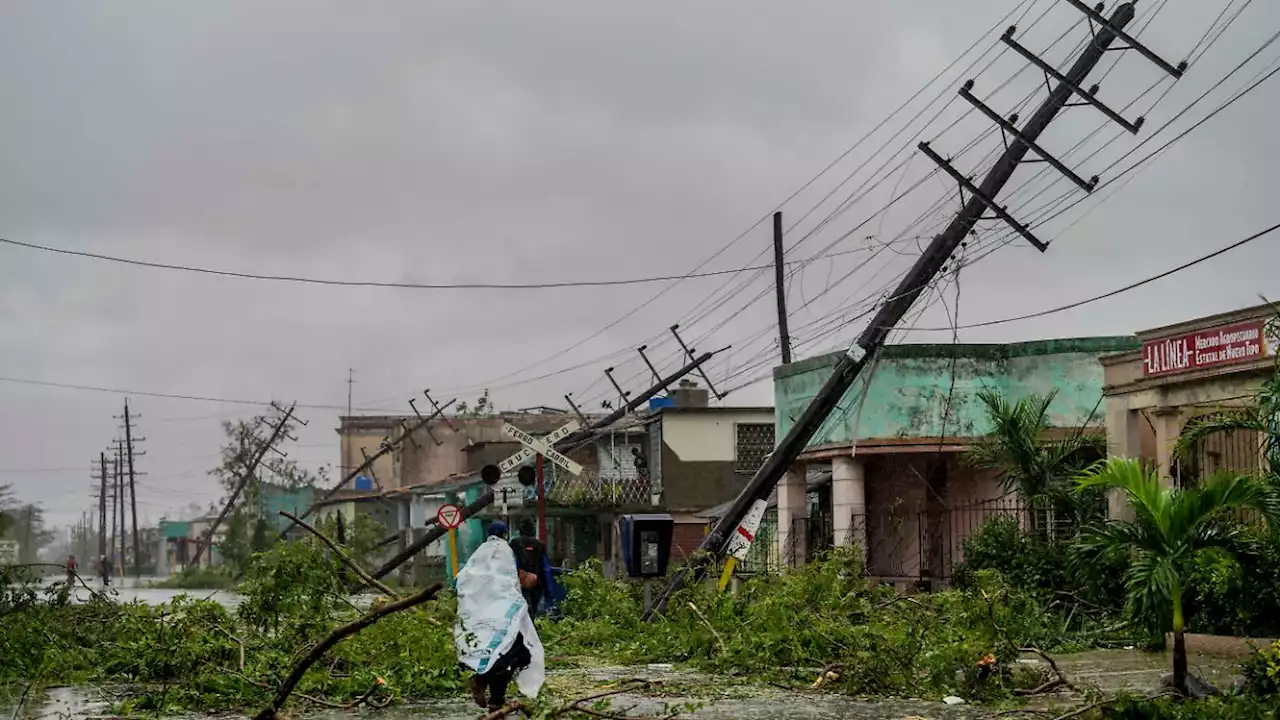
395	285
597	333
1113	293
171	396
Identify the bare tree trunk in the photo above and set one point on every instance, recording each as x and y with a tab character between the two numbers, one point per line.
1180	663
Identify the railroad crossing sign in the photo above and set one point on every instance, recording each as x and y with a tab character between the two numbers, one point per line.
449	516
540	446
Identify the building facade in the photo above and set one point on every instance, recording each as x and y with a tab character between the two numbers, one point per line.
892	453
1183	371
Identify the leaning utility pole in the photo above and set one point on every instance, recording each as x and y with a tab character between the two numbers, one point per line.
133	489
784	338
567	444
250	468
981	199
387	447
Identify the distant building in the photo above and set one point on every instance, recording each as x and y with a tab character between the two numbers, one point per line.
691	457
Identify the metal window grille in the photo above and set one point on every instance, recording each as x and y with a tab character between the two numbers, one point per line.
753	443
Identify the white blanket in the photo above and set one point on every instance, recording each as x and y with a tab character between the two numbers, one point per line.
491	612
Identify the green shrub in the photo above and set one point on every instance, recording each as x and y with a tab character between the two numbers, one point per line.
1216	708
1262	672
1038	565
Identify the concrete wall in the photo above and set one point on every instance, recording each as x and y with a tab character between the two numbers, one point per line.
697	435
698	455
910	386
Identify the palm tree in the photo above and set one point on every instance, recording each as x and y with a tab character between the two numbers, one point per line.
1027	460
1261	415
1170	529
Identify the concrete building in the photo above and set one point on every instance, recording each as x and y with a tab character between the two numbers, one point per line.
895	480
1183	371
692	457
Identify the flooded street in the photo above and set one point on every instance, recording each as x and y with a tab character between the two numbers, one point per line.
717	698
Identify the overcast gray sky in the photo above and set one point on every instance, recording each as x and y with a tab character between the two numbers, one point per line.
557	141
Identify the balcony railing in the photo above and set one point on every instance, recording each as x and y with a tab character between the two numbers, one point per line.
594	489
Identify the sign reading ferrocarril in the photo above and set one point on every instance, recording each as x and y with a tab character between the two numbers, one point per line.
1207	348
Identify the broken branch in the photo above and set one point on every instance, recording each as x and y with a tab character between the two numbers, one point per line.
1060	680
364	575
290	682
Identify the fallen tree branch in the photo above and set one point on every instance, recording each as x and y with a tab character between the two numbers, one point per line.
290	682
346	560
1060	679
705	621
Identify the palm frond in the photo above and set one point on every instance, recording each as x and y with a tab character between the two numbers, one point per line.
1193	507
1153	580
1226	421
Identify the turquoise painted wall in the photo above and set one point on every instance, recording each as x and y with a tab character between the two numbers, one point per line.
276	498
910	385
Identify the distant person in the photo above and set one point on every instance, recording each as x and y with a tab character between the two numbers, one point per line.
642	468
495	636
72	568
531	555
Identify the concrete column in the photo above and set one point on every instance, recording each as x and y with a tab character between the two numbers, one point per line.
848	503
1124	438
793	509
162	557
1168	424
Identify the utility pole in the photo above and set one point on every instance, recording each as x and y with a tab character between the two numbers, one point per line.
784	338
250	468
133	489
120	503
981	199
102	505
351	380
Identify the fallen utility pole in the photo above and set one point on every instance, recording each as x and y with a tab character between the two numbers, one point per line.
926	268
249	469
369	461
568	444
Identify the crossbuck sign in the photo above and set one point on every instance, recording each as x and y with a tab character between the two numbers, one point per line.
534	446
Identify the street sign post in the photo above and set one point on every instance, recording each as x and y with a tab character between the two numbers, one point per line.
539	448
450	517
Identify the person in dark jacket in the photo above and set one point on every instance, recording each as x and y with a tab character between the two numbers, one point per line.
530	556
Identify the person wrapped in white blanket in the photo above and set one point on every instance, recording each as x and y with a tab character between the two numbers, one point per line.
494	634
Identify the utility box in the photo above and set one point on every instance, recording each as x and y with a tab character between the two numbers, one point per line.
646	543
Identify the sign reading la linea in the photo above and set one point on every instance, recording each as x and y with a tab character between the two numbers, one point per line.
1211	347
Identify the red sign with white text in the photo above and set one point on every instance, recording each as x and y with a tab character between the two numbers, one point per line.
1212	347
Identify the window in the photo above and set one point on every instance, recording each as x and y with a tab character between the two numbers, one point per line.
753	443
